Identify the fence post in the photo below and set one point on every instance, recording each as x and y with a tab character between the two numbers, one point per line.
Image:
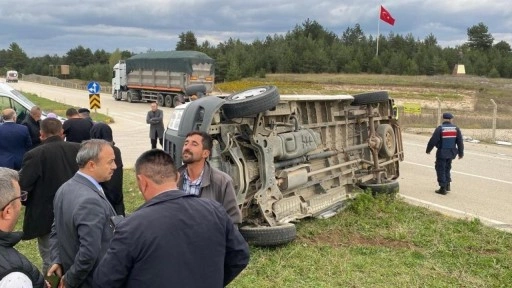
494	116
438	111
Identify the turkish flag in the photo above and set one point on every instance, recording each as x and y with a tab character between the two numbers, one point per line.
386	17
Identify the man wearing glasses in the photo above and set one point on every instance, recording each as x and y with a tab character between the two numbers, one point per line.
15	269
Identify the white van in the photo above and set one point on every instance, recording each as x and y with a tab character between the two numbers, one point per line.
10	98
11	76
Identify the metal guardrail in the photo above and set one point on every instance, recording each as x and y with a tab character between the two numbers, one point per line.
54	81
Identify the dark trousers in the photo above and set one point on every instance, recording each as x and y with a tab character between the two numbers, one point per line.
154	138
443	167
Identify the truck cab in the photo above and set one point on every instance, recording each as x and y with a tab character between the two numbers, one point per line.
11	76
294	156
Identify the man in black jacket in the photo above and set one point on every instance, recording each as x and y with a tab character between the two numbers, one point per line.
113	188
174	239
43	170
32	123
15	269
76	128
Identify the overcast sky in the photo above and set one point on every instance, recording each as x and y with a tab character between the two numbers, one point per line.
43	27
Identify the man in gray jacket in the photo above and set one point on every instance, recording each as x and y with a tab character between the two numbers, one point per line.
155	119
81	232
199	178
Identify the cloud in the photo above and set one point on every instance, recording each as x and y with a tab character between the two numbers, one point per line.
54	27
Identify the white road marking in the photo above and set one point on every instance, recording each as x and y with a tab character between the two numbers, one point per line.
462	173
493	156
495	222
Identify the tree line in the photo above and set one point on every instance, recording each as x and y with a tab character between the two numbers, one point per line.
308	48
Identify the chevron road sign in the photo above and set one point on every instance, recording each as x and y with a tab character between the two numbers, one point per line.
94	101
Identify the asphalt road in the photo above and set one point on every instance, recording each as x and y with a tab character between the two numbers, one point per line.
481	187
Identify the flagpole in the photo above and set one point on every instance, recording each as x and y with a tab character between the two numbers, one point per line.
378	34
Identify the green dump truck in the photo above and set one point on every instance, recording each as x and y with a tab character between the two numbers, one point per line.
169	78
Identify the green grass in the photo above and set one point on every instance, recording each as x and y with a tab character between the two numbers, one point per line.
60	108
376	242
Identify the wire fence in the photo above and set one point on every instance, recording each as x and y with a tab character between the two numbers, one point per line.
487	126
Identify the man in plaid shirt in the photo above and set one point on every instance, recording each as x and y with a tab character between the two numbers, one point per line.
199	178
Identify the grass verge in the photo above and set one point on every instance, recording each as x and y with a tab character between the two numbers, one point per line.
376	242
60	108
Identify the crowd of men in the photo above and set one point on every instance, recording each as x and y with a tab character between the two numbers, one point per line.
69	177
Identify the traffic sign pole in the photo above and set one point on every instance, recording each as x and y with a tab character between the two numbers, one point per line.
94	89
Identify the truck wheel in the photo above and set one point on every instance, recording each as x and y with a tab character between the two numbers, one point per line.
129	97
385	131
117	95
370	98
176	100
160	100
251	101
195	89
168	101
389	187
269	236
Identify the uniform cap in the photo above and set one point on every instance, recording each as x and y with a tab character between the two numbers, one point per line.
447	115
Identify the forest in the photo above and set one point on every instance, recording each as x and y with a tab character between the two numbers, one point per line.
308	48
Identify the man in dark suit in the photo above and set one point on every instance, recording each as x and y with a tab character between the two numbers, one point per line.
81	233
14	141
76	128
32	121
155	119
174	239
44	169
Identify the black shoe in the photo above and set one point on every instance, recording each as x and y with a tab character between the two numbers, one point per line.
448	188
442	191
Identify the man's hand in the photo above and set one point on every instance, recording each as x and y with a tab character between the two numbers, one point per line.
460	157
55	269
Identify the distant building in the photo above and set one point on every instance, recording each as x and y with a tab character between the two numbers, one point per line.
459	69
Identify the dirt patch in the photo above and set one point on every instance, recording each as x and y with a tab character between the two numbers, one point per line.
466	98
337	239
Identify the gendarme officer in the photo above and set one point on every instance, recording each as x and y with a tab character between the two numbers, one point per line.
447	138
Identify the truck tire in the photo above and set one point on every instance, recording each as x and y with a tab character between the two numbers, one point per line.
194	89
129	96
117	95
160	100
389	187
251	101
168	101
269	236
370	98
385	131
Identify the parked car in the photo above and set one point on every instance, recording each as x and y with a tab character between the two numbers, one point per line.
294	156
11	98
